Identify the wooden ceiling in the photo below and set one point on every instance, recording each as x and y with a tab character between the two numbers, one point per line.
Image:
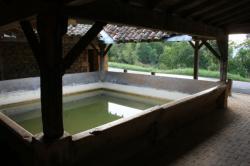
206	18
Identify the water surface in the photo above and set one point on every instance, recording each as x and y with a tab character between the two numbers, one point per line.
84	110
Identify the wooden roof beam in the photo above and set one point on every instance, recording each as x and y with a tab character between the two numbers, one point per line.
126	14
239	28
236	19
187	5
206	7
16	10
221	10
230	15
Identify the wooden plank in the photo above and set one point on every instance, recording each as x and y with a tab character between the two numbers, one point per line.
50	30
212	50
130	15
32	40
75	52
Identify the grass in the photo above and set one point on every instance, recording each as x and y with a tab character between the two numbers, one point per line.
182	71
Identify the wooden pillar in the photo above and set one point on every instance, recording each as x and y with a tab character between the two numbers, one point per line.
102	57
222	42
93	60
196	59
1	62
50	29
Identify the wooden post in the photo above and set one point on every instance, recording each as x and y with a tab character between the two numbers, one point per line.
1	63
196	59
102	56
50	29
222	42
229	86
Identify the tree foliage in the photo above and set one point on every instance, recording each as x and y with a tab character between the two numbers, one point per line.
174	55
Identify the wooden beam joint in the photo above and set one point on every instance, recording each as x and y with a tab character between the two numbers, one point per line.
75	52
211	49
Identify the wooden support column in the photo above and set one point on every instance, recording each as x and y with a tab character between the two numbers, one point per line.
50	29
222	42
196	59
1	62
196	46
102	56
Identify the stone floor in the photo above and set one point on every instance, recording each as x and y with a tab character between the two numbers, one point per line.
220	139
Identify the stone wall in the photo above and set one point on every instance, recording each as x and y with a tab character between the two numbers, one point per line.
17	61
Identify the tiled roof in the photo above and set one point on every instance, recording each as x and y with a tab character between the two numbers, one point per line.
133	34
120	33
109	34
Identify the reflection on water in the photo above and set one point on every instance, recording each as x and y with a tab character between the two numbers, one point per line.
122	111
84	111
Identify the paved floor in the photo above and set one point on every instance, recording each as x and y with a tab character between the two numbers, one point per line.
220	139
238	86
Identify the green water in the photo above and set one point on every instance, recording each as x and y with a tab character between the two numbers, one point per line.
84	111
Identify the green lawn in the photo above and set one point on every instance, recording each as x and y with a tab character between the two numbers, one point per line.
183	71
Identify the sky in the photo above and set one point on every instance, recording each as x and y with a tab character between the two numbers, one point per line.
239	38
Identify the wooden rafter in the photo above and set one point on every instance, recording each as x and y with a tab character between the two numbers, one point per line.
130	15
75	52
234	20
225	9
187	5
206	8
231	15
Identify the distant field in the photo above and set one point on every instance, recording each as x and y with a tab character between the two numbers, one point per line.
183	71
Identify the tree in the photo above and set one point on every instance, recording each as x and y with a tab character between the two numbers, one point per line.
146	54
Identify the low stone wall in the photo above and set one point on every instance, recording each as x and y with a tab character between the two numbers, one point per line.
157	82
33	83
